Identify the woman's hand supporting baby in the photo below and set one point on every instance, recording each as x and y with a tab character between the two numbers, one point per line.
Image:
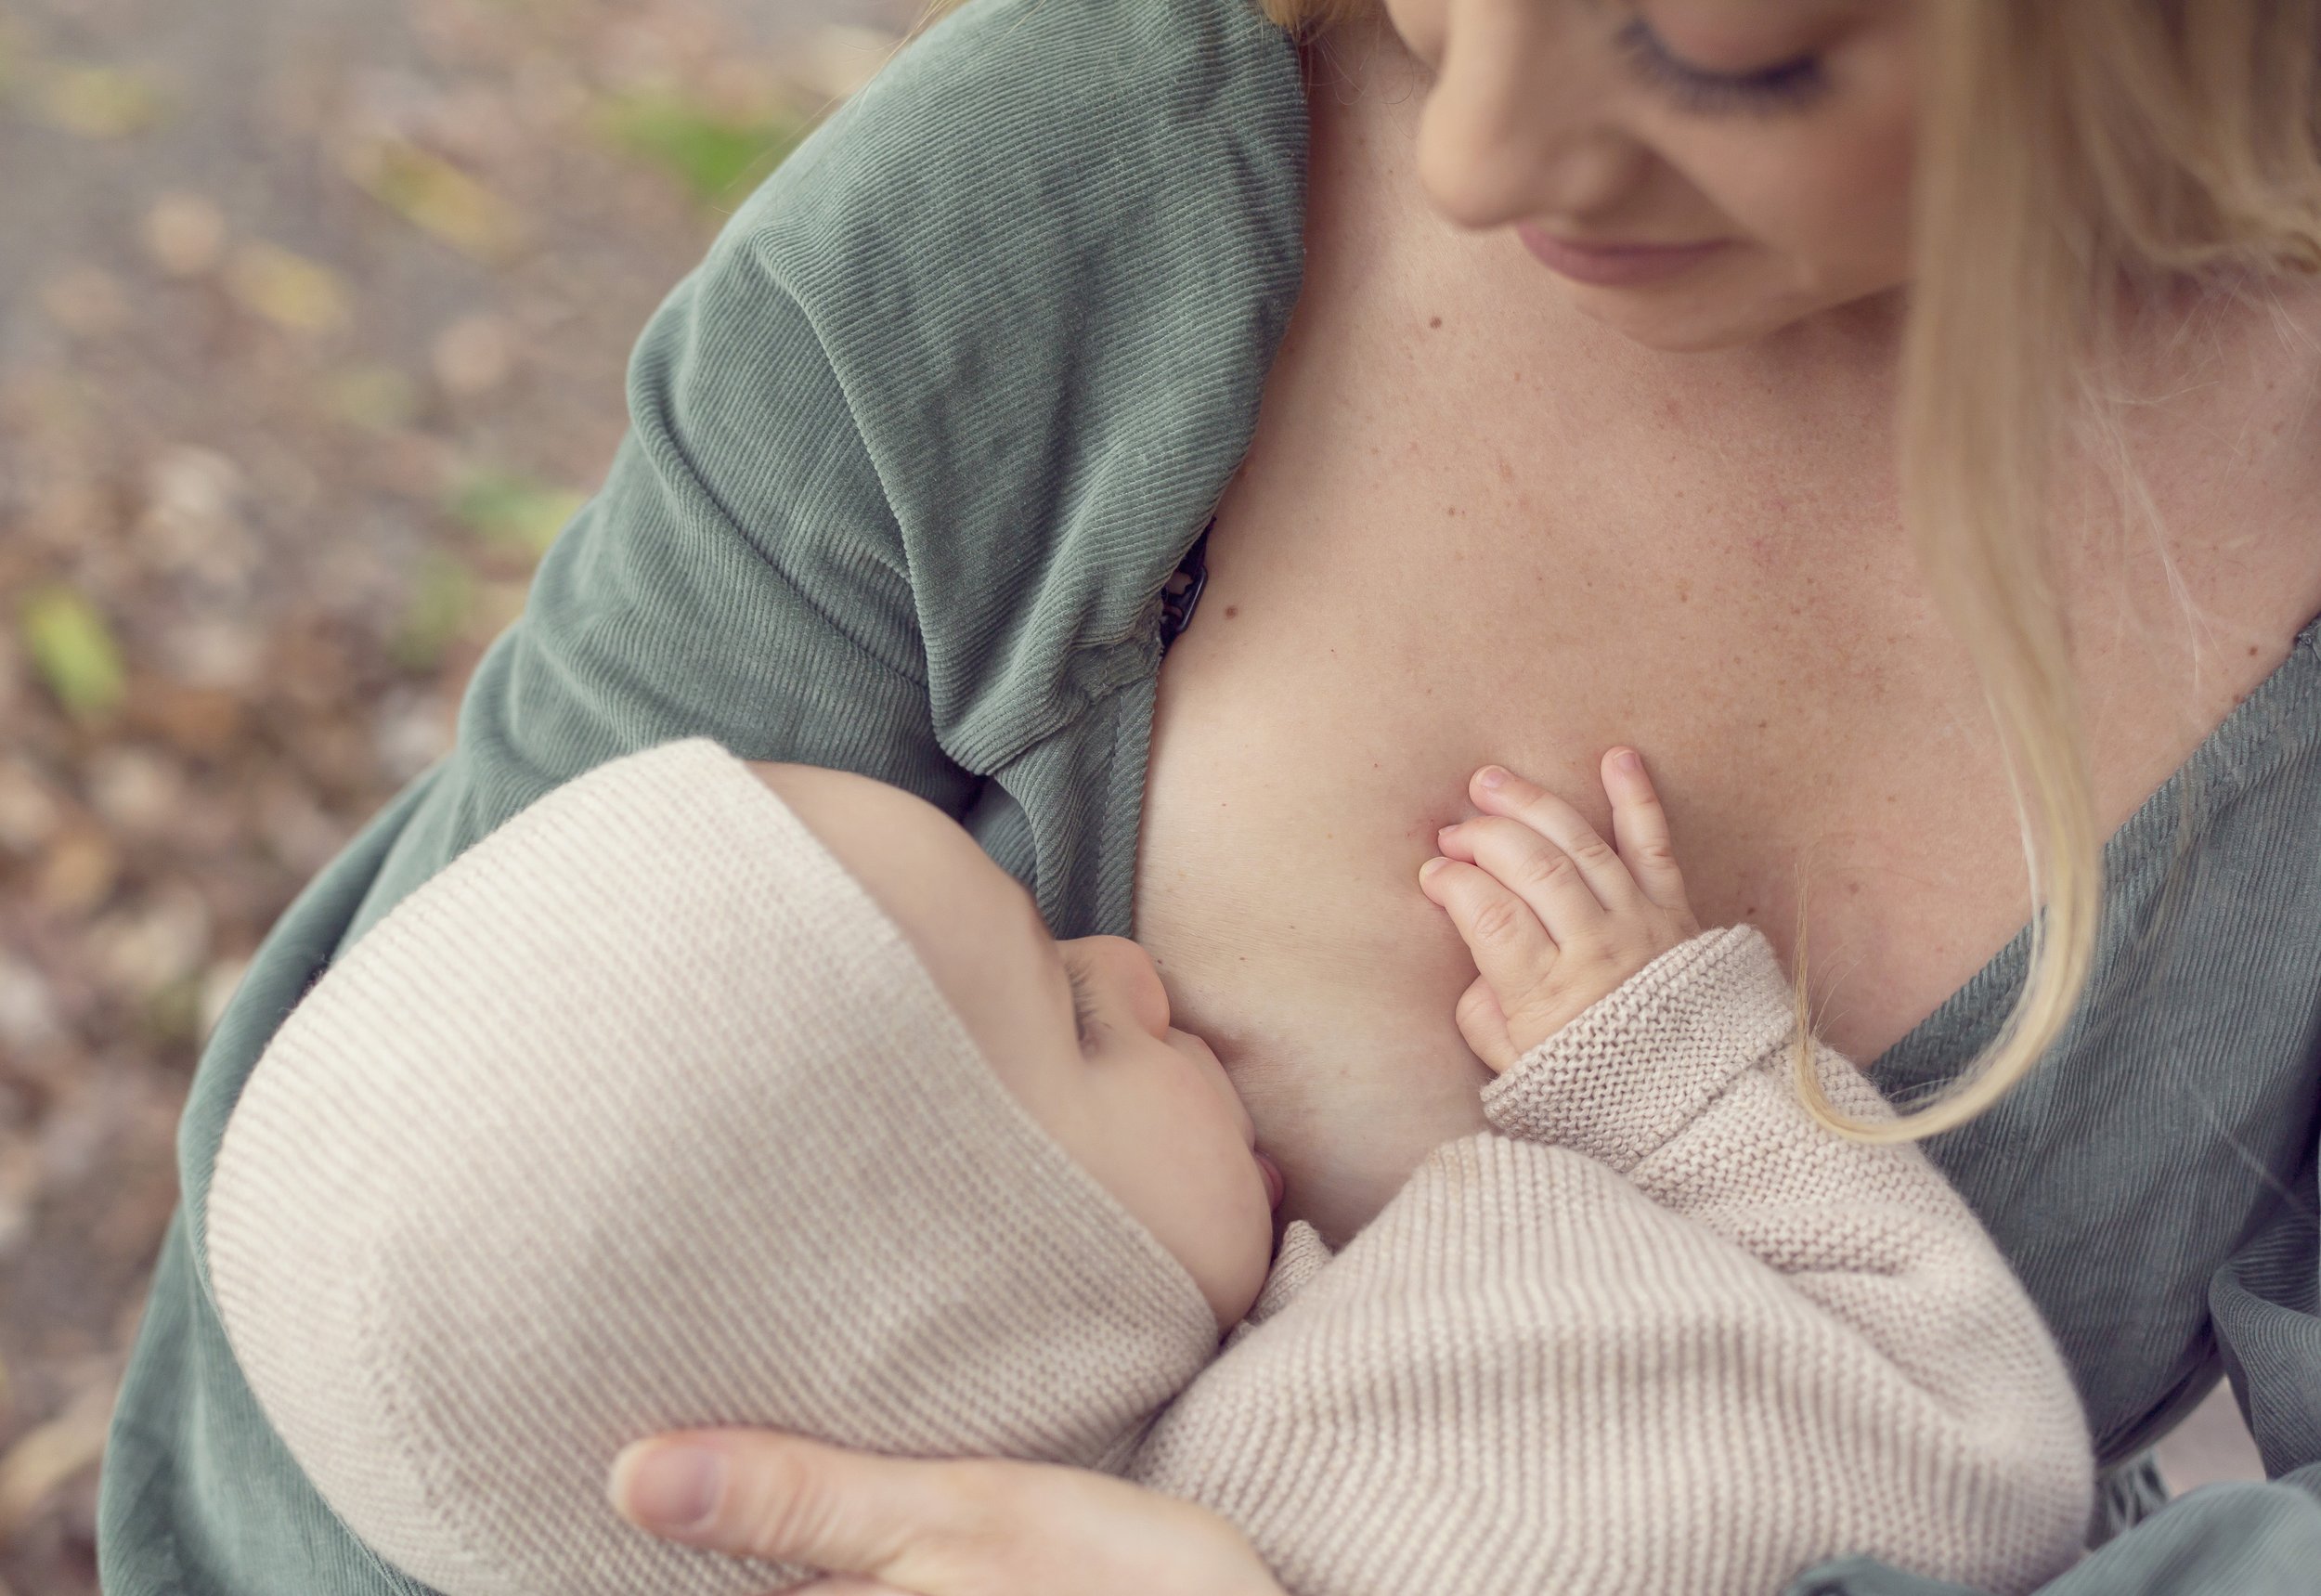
1556	918
898	1526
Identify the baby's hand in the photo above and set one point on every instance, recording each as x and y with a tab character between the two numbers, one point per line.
1554	917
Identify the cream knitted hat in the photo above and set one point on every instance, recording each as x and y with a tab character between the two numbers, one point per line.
640	1115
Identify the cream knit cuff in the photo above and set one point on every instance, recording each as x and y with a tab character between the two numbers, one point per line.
1638	1065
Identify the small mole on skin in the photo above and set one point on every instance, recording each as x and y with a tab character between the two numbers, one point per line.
2252	653
1232	610
1434	321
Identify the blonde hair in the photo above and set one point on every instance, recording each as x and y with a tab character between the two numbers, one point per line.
2077	159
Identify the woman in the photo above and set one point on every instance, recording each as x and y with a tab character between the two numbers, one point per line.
1607	318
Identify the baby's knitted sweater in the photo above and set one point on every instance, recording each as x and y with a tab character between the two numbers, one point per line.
1662	1332
640	1115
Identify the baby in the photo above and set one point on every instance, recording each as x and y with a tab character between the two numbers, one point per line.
703	1093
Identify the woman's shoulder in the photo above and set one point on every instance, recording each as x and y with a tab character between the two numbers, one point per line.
1032	192
1029	169
1048	253
1057	141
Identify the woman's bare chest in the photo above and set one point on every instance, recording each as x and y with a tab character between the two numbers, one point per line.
1387	612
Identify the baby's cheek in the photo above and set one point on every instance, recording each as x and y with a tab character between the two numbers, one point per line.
1220	1226
1244	1230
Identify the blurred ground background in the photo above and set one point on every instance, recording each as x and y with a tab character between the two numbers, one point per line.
313	316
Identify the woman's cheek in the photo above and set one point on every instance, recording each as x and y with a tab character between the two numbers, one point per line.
1833	208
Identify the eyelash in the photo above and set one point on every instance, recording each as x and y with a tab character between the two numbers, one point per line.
1084	1006
1783	87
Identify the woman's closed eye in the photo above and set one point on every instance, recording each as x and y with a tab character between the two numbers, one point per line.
1781	86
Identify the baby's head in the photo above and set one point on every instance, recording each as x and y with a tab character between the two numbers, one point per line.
696	1094
1078	1031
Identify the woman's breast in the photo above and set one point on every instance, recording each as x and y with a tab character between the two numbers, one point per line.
1319	721
1276	890
1313	727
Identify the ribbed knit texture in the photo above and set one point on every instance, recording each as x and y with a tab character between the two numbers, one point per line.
1663	1334
642	1115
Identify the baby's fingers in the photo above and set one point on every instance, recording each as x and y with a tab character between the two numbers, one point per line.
1640	828
1484	1024
1511	949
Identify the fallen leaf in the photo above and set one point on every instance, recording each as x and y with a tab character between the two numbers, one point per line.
435	616
72	651
513	511
85	299
287	288
98	102
185	234
48	1455
78	873
191	521
134	789
714	153
28	811
412	730
433	195
28	1020
371	396
473	355
196	717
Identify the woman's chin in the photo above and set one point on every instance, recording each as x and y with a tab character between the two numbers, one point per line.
1715	309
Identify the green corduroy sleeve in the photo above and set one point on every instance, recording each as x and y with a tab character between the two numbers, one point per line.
740	576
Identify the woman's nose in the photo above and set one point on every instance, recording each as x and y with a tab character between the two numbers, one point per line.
1514	126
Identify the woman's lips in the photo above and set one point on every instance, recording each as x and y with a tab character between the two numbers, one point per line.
1274	1185
1614	265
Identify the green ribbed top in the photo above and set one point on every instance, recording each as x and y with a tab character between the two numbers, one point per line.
911	454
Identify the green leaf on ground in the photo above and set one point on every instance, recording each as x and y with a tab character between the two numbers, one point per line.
172	1013
512	512
372	395
73	651
435	196
717	154
435	613
100	102
288	290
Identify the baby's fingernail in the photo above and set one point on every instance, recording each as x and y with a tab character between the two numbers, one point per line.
1492	776
1431	866
668	1487
1627	761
